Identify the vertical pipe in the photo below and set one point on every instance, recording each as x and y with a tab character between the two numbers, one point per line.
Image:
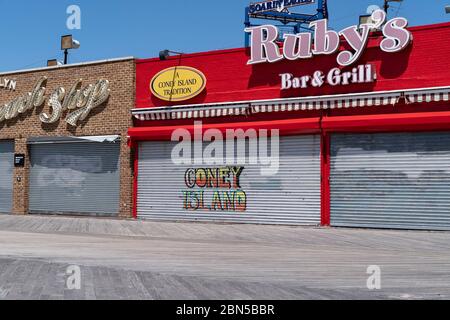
322	9
247	25
325	151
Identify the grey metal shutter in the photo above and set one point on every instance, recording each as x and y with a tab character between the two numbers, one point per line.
78	178
391	180
6	175
290	197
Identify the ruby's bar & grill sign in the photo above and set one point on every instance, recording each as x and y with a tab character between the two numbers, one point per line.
79	101
264	48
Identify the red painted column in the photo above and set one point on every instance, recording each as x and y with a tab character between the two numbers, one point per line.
325	184
135	145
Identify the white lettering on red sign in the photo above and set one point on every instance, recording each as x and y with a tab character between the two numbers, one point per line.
264	46
335	77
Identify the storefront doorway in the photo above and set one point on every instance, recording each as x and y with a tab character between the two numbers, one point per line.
237	193
75	176
392	180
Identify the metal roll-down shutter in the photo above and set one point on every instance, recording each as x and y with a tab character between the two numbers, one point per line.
6	175
391	180
75	178
292	196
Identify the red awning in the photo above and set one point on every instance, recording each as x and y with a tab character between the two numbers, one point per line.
286	127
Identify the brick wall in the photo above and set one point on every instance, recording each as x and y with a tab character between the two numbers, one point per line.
112	118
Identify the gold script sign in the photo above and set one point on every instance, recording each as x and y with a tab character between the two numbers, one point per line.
79	101
178	84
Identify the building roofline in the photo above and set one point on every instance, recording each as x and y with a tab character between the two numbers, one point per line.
242	49
192	55
66	66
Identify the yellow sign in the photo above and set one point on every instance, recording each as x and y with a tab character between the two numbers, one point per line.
178	84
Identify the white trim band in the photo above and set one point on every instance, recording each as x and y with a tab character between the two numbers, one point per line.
358	100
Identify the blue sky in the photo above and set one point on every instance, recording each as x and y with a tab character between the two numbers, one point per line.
30	30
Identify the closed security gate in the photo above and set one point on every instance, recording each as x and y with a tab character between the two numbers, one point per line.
6	175
75	178
236	193
391	180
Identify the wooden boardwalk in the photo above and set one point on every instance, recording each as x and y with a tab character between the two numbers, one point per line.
155	260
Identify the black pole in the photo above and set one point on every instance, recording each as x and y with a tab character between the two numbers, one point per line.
247	25
386	6
66	56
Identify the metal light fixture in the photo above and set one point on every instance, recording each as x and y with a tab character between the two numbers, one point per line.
165	54
447	9
67	43
53	63
366	19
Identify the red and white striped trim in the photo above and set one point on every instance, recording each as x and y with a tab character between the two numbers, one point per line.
436	95
191	113
323	104
358	100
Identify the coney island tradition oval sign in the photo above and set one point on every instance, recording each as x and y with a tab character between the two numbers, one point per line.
178	84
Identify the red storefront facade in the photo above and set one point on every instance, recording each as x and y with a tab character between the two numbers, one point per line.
383	156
